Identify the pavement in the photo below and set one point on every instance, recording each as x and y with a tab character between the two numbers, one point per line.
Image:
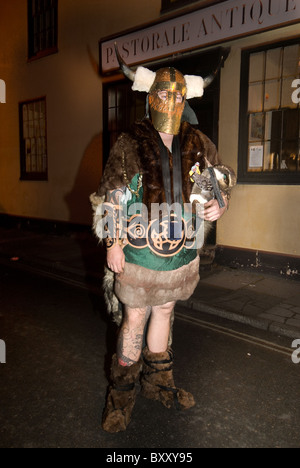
262	301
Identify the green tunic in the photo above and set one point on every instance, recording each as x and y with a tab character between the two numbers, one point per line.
145	257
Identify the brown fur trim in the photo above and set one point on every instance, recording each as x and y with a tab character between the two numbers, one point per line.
158	382
120	401
140	287
122	376
96	202
111	300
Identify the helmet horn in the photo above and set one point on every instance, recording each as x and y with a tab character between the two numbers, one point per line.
125	69
210	78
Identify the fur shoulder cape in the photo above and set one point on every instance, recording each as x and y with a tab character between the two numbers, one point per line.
139	150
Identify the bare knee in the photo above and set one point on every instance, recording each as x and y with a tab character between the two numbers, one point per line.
164	311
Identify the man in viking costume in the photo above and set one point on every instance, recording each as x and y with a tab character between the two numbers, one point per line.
153	266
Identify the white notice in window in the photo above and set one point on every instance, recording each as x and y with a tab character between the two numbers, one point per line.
256	157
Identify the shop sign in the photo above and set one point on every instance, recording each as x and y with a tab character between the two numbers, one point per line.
223	21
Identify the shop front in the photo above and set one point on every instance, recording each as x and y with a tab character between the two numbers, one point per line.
251	113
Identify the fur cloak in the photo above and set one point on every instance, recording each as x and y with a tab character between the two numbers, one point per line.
142	156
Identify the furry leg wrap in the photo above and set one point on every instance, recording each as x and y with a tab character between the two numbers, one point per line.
158	382
121	396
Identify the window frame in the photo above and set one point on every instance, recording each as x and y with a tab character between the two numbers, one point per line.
36	175
244	175
48	50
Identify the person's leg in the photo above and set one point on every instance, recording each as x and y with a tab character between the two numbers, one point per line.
125	372
157	377
130	341
159	327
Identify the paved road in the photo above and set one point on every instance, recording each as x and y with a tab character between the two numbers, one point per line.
53	386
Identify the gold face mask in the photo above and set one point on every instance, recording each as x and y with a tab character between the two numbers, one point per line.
167	100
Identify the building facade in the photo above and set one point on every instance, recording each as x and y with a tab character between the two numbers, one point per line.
66	102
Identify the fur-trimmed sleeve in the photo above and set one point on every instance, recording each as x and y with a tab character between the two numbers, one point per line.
123	157
124	151
97	205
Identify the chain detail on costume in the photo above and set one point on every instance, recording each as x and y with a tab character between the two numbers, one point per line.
127	181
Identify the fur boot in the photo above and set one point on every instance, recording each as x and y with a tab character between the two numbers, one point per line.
158	383
121	396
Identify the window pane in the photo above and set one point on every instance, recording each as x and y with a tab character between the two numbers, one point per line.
112	98
272	95
257	67
255	98
268	158
290	125
33	140
291	65
268	125
112	120
276	133
121	98
256	132
273	65
42	26
121	117
290	154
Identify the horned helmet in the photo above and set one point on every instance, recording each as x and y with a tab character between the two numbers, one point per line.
168	91
167	100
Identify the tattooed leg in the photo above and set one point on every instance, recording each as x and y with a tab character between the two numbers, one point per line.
159	327
130	341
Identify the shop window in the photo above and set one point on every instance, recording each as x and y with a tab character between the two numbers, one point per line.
270	115
33	140
42	28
